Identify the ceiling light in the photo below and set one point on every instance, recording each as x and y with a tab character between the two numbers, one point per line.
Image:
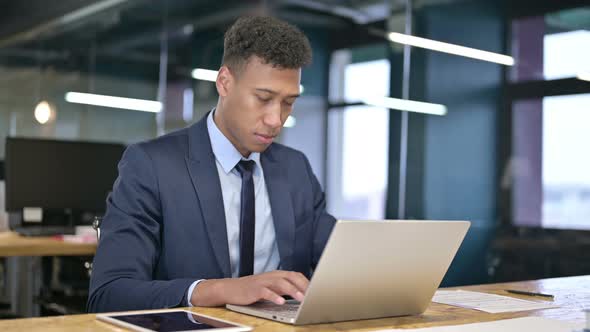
450	48
44	112
211	76
406	105
114	102
205	74
188	29
290	123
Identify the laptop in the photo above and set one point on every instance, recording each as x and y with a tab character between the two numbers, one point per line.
372	269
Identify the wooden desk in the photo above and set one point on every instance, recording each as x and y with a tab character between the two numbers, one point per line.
571	294
24	266
13	244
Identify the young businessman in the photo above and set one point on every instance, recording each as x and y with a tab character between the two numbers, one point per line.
217	213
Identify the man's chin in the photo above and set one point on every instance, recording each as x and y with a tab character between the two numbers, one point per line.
260	147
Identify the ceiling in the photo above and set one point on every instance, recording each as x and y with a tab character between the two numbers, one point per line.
73	34
131	29
42	46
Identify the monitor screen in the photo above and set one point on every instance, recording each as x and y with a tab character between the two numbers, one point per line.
53	174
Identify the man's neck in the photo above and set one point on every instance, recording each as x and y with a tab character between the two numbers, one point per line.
217	119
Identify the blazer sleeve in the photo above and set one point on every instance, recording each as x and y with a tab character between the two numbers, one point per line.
323	221
129	247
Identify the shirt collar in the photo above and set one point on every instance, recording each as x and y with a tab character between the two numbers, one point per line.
224	151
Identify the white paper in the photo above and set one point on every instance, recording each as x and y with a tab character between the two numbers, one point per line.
536	324
491	303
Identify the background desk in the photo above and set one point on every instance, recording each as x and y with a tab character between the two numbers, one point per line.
13	244
571	294
24	266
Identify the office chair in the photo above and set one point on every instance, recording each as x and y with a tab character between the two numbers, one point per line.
96	225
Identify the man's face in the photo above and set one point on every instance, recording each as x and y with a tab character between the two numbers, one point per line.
255	103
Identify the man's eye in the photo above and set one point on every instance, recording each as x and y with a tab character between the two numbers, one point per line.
264	100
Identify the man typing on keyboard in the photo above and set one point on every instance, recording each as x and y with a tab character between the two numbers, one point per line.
217	213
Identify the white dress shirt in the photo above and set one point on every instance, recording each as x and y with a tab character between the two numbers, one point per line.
266	252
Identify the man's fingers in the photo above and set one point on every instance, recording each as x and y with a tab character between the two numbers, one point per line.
284	287
269	295
289	283
297	279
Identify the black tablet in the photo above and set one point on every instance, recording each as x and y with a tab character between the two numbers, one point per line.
168	321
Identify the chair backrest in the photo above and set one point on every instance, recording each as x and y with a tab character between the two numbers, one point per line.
96	225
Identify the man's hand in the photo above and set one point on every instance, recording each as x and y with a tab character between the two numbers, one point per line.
247	290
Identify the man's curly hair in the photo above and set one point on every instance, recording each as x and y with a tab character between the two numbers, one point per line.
274	41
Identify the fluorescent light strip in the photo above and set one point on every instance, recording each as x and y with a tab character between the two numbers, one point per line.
114	102
291	122
406	105
211	76
584	76
204	74
450	48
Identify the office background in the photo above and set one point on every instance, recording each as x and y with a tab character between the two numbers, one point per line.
509	155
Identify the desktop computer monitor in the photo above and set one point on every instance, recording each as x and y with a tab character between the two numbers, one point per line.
58	176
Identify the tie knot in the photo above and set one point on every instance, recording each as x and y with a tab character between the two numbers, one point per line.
245	167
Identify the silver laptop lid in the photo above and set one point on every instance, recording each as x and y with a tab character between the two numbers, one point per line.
373	269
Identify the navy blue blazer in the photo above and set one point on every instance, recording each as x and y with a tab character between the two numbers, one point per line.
165	223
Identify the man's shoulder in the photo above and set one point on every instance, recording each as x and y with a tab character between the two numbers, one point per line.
284	154
173	142
281	151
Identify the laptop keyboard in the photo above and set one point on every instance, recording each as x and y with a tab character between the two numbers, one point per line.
288	310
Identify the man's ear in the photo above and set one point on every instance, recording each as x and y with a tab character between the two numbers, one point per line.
224	81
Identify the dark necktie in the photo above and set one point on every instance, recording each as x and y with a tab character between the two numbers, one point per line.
247	218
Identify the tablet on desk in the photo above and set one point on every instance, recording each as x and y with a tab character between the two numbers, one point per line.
168	321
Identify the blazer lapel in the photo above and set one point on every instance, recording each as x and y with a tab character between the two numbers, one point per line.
281	207
203	172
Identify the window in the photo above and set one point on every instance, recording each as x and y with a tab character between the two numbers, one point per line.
549	168
566	54
566	163
552	46
358	142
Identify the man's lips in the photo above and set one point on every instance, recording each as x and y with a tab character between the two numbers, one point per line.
265	139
